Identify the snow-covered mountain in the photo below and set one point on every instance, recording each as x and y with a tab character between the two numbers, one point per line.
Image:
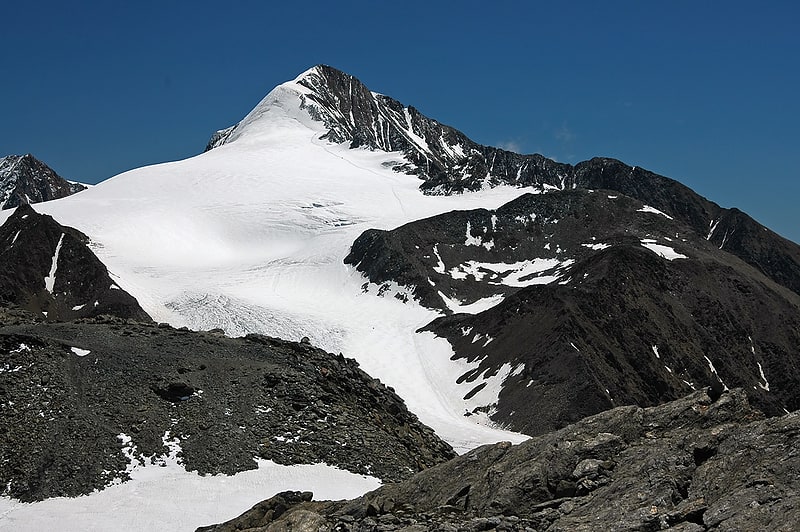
250	237
338	214
25	179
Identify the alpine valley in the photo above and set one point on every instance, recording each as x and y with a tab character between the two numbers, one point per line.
342	295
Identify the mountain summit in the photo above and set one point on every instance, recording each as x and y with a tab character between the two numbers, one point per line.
444	158
344	111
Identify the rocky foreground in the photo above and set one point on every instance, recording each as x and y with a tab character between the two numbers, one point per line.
82	401
704	462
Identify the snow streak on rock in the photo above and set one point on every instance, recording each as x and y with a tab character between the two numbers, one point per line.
50	280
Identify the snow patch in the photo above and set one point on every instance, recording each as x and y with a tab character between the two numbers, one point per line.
648	208
714	371
477	240
765	385
50	280
170	498
661	250
476	307
712	226
440	267
517	274
80	352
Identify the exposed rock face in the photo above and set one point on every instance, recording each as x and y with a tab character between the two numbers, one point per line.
76	397
693	464
219	138
25	179
49	269
605	302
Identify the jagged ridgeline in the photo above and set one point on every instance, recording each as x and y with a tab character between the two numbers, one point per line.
601	285
614	285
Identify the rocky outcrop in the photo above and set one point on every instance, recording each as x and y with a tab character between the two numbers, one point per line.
703	462
25	179
49	269
81	402
581	300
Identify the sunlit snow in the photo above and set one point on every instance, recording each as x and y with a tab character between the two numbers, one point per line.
648	208
518	274
170	498
661	250
80	352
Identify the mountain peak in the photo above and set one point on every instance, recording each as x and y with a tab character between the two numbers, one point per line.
344	111
25	179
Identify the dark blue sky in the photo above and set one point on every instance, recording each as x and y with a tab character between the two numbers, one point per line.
703	92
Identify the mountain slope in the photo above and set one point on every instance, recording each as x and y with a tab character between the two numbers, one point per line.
584	300
25	179
86	402
251	235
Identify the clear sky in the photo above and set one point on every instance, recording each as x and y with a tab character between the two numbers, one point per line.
705	92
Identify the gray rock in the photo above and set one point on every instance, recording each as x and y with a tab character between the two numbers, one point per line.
692	464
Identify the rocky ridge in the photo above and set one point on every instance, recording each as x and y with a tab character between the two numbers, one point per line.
703	462
50	270
25	179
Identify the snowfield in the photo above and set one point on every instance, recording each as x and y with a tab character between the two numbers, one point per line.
251	237
170	498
